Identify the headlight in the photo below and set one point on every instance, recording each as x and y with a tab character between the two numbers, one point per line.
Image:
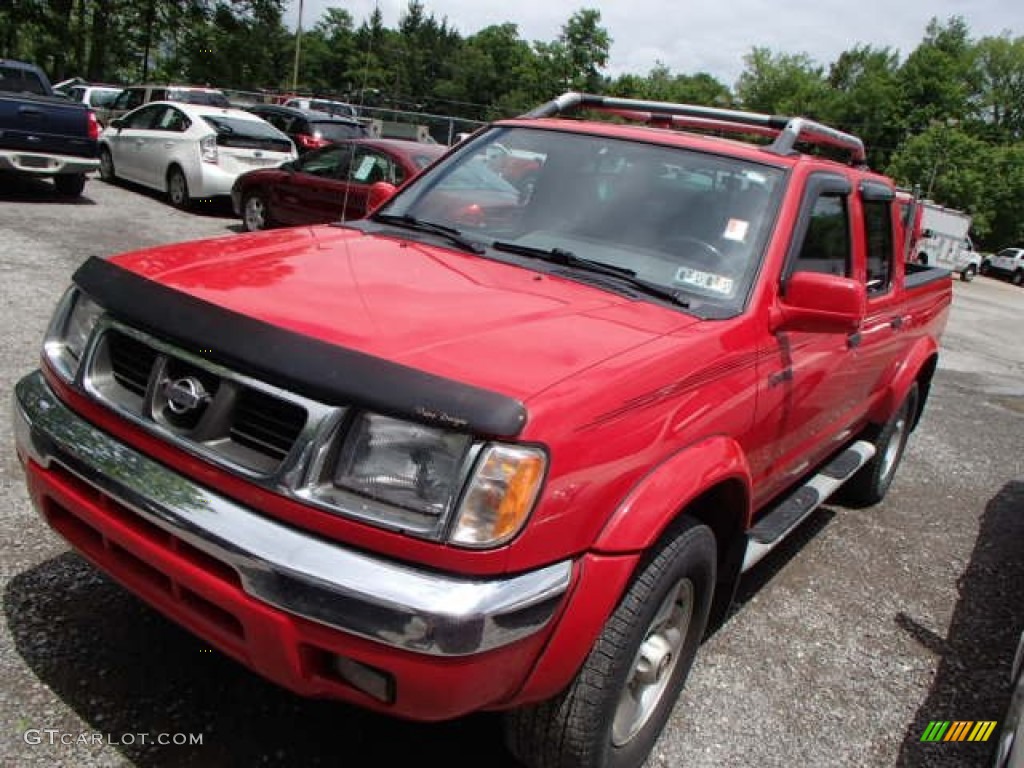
409	465
426	481
69	332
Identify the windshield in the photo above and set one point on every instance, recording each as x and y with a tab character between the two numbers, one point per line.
685	221
335	130
202	98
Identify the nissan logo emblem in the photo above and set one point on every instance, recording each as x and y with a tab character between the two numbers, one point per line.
185	395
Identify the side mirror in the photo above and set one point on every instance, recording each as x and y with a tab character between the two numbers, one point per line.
927	233
820	303
117	122
380	192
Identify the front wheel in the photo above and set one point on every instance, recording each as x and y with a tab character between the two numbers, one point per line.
872	481
1018	277
177	188
615	708
968	274
255	212
107	172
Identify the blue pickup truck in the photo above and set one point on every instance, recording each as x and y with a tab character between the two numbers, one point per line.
43	133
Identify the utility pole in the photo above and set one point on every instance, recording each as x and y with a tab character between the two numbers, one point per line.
298	48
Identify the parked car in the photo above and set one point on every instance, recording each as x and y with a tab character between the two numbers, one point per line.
430	468
96	96
135	96
328	184
329	106
43	134
189	151
310	129
1008	262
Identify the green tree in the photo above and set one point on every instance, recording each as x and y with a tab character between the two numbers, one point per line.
867	100
999	101
783	83
584	46
938	76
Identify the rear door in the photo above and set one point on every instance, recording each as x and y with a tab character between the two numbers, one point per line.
883	337
160	143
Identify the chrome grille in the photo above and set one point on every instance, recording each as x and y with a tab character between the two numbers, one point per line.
265	423
226	416
131	362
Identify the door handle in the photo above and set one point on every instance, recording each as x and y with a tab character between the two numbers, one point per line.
168	145
34	111
898	322
853	340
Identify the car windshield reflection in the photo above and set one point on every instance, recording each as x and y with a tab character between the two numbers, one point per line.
684	220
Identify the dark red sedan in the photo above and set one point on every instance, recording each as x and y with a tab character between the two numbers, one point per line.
329	184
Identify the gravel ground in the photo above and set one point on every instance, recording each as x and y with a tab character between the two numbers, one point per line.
842	647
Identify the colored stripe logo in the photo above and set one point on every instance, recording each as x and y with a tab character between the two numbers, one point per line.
958	730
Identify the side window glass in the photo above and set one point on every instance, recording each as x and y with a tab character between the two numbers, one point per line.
878	235
144	118
158	94
371	167
172	120
329	163
826	247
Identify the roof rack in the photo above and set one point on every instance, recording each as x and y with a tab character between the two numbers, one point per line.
787	131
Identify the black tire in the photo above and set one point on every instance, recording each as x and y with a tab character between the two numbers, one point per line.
591	724
107	170
1018	277
256	212
177	188
872	481
968	274
69	184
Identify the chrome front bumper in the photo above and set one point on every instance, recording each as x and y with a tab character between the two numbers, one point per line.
405	607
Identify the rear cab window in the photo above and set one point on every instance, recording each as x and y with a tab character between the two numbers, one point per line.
18	80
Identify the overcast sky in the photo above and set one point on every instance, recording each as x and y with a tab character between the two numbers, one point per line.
708	35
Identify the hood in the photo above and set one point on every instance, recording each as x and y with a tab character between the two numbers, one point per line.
460	316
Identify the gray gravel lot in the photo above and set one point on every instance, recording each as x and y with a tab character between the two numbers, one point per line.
842	647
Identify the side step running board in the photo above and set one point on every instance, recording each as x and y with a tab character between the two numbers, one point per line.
780	522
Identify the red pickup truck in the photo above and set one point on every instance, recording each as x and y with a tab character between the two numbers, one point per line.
507	453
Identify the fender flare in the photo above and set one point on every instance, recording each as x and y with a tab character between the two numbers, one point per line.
921	355
658	498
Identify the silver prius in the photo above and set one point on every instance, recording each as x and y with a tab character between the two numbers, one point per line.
189	151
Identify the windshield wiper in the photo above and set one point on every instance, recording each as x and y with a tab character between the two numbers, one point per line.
449	233
566	258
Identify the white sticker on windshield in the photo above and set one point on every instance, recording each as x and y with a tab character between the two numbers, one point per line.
736	229
706	280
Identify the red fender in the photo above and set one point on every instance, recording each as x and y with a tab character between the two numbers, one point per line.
906	374
659	496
